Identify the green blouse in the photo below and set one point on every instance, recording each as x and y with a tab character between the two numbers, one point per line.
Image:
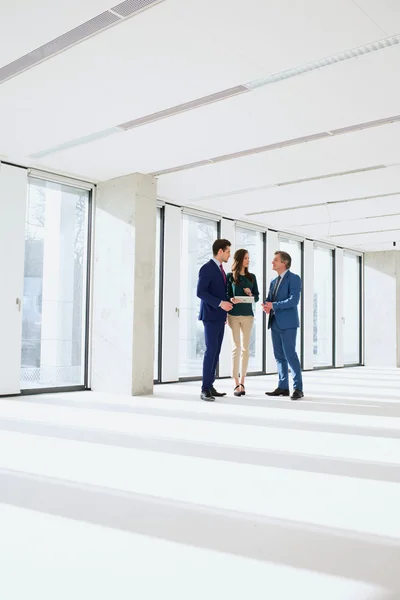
236	289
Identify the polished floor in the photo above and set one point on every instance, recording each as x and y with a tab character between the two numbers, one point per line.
104	496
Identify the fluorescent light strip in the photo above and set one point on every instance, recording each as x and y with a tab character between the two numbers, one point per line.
73	143
325	62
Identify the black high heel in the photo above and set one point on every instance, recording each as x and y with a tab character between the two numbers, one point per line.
235	393
244	391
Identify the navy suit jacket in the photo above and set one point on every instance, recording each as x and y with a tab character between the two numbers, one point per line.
211	289
286	301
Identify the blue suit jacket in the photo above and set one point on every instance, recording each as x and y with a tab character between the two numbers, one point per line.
211	289
286	301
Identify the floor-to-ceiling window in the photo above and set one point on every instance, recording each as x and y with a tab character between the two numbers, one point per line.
295	249
323	307
198	235
254	242
54	309
352	308
157	298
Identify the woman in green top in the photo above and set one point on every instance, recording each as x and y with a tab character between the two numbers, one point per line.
240	319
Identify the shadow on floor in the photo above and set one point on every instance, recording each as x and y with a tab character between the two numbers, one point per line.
361	557
377	408
292	461
256	421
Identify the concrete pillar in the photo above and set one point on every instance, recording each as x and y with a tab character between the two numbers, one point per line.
382	309
124	285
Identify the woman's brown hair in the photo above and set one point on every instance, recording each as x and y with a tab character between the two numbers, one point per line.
238	265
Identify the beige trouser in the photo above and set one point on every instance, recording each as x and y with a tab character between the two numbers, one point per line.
239	325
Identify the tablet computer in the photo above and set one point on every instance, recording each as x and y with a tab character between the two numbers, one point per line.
245	299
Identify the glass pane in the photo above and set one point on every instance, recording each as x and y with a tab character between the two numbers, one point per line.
294	248
351	312
54	304
253	241
323	307
157	295
198	236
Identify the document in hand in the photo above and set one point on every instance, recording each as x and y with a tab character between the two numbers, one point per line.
245	299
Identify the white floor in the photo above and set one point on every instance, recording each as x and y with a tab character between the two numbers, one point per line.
168	497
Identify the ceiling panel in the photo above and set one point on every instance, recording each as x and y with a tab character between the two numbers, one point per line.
368	238
358	90
274	113
328	190
349	228
166	56
181	50
357	150
26	25
377	247
241	122
385	13
113	77
281	34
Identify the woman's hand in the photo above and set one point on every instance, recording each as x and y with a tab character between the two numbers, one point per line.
235	301
247	291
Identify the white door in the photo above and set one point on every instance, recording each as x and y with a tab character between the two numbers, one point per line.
13	195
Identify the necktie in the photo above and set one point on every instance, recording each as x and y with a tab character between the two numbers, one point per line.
223	272
276	288
271	314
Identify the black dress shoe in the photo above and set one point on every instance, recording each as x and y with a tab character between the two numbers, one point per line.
207	396
278	392
217	394
237	391
297	394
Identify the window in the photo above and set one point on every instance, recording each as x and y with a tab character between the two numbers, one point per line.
351	308
295	249
198	235
55	286
253	241
157	299
323	307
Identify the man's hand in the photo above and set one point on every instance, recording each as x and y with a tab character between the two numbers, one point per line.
267	307
225	305
247	291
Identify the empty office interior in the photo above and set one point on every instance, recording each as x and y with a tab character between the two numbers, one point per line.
131	138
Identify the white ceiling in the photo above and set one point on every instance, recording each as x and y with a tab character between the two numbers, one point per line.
181	50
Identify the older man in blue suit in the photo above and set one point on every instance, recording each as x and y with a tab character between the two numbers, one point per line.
212	291
283	320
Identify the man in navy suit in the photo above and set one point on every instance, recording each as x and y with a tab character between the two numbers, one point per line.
283	320
211	289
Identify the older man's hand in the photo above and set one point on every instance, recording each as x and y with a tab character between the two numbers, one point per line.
266	307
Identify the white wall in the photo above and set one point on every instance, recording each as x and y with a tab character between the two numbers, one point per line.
381	284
